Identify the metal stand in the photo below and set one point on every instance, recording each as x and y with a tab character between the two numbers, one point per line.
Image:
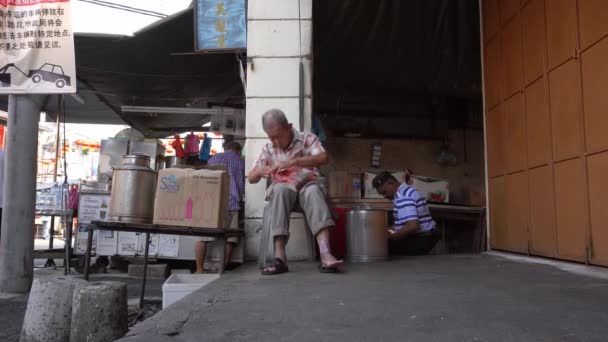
68	245
223	256
51	262
87	256
145	275
220	234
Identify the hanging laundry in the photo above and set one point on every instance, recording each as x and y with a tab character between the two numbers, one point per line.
205	151
177	146
191	144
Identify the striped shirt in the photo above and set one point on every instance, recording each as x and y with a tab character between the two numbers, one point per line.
236	169
410	205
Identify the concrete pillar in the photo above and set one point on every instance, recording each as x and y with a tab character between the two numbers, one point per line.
17	244
100	312
49	310
279	38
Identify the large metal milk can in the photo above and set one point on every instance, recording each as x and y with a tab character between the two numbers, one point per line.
133	189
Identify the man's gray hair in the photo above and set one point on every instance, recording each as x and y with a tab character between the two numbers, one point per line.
274	116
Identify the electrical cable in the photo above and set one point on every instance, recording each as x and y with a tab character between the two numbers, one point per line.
194	76
301	70
127	9
65	188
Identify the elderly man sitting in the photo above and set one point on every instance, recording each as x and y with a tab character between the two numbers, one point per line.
291	160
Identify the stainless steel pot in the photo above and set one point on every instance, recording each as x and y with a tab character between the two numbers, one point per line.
366	235
133	188
172	161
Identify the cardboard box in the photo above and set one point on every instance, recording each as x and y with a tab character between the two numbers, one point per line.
340	184
368	189
192	198
433	189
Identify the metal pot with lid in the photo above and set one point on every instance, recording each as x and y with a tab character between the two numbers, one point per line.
172	161
366	235
133	189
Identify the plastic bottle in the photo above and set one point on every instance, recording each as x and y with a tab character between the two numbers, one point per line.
356	187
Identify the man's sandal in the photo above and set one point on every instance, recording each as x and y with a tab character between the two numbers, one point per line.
279	267
327	269
330	269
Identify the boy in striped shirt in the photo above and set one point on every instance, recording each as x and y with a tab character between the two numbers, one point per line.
414	227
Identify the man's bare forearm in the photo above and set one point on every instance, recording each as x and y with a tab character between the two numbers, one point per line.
311	161
410	228
254	176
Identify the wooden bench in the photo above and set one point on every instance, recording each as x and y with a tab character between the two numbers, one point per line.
219	234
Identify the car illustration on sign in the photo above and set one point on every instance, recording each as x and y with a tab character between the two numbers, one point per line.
47	72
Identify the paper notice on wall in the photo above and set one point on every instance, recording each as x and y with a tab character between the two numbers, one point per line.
81	239
127	243
106	242
36	47
168	246
152	248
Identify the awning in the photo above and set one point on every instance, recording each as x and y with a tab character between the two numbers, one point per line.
154	68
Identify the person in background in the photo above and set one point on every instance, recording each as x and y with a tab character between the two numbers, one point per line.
414	228
1	188
295	157
231	159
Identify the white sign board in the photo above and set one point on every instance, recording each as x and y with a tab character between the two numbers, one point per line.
93	207
36	47
107	241
168	246
128	243
152	247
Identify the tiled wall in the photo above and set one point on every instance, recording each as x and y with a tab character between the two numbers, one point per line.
279	36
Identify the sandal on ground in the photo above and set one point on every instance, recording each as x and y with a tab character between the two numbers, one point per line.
231	266
324	269
330	269
279	267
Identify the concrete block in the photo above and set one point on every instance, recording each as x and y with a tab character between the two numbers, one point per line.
255	199
49	310
273	77
279	38
279	9
300	240
252	238
298	247
256	107
157	271
100	312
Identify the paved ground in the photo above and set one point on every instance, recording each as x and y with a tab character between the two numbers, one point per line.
435	298
12	308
